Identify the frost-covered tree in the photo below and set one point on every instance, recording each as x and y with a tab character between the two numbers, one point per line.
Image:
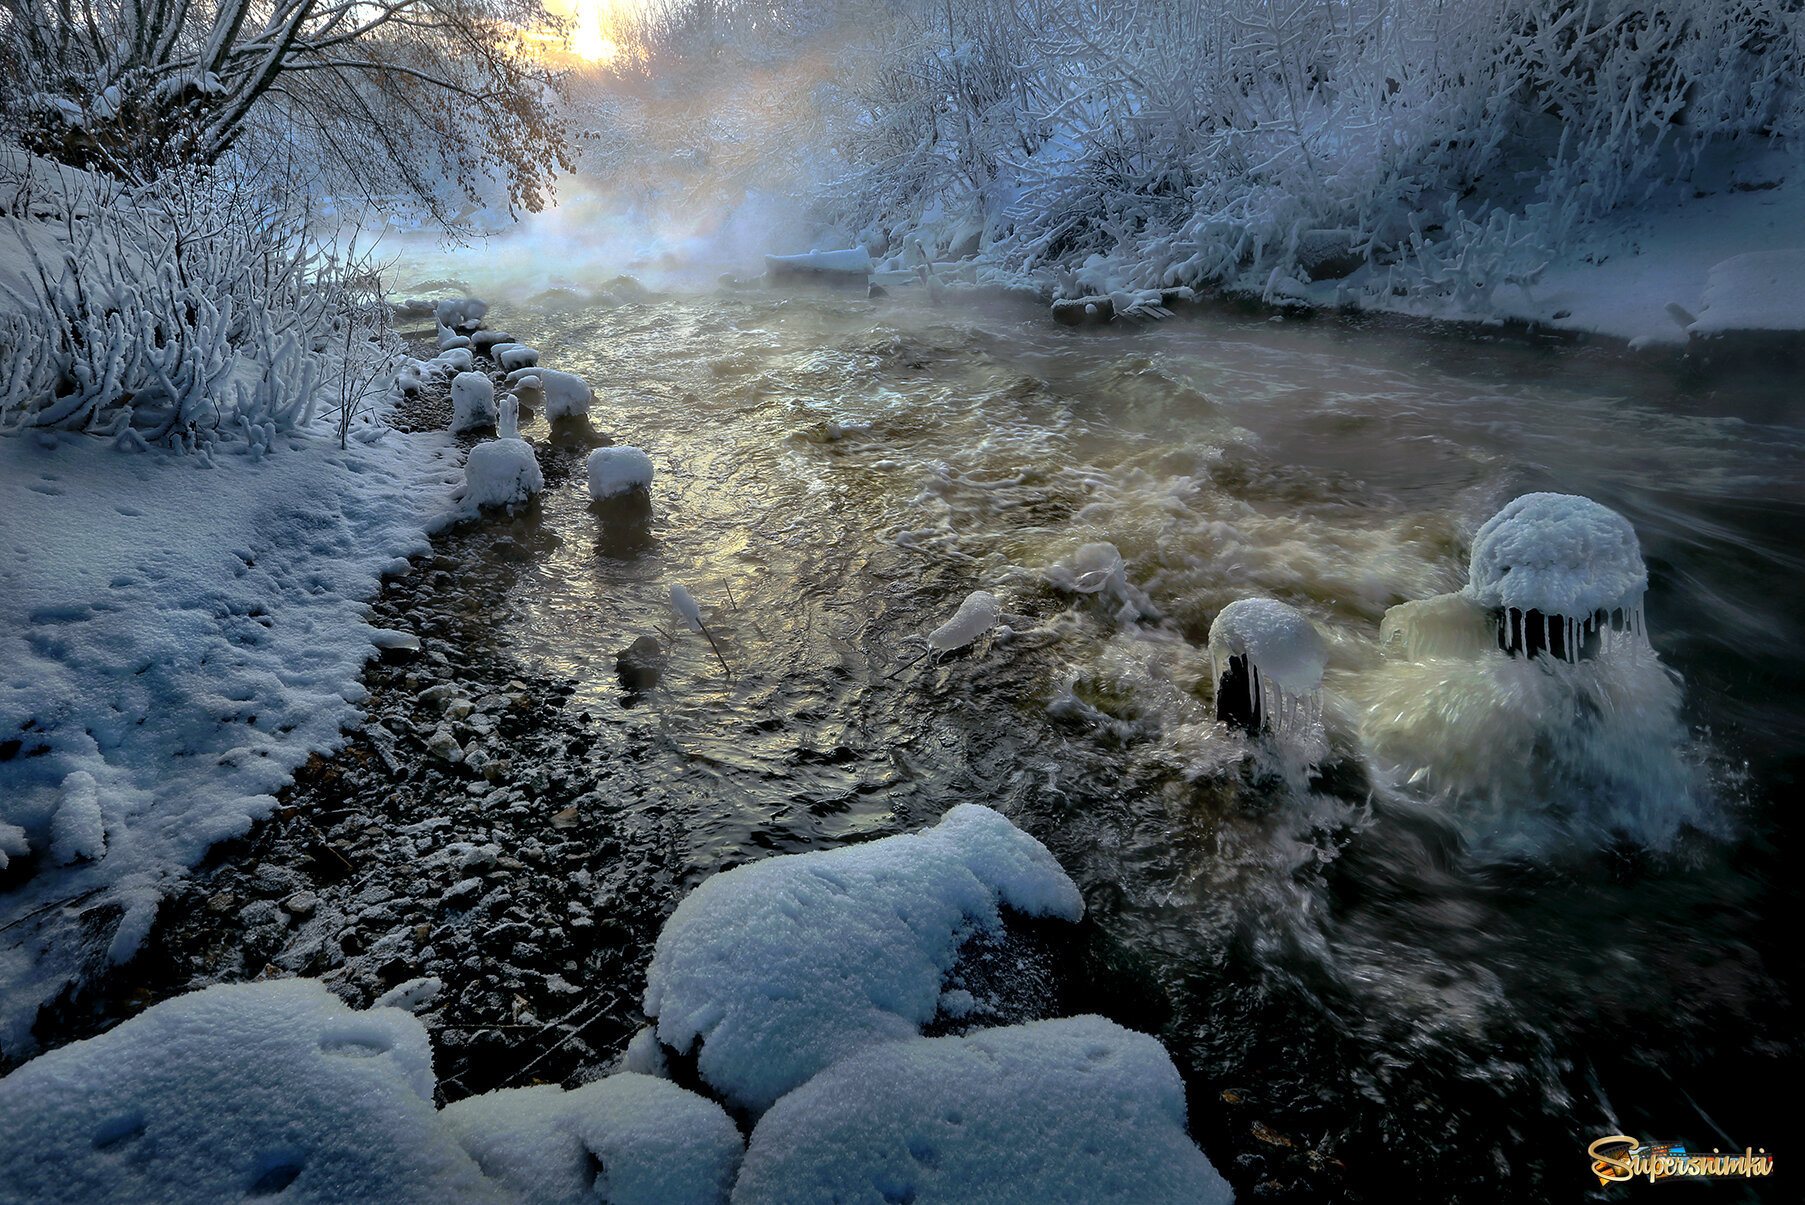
427	98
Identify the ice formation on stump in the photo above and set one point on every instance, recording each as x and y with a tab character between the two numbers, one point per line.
618	470
785	966
1562	574
472	401
1267	662
975	616
503	470
1077	1110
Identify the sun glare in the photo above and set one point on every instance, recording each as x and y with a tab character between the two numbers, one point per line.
587	39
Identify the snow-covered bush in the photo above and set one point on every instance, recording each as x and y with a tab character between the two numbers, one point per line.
1121	147
196	310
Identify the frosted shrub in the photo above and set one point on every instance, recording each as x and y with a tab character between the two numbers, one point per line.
1115	146
183	314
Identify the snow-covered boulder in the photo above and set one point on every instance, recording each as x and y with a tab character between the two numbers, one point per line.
12	844
566	394
1076	1110
1280	656
627	1139
500	472
472	401
77	830
618	470
456	359
461	311
512	356
241	1090
449	339
785	966
482	342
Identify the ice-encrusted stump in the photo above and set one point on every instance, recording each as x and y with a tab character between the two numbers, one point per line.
1267	660
782	967
618	470
1562	573
628	1139
1075	1110
245	1089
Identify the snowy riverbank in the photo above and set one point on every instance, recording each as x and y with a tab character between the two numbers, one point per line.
179	634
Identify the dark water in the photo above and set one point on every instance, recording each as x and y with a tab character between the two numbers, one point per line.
1476	936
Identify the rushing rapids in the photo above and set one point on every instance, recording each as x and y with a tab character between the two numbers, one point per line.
1492	895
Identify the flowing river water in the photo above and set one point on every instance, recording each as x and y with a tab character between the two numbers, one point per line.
1434	949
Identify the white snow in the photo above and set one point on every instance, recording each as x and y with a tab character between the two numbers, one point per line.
566	395
472	401
456	359
782	967
851	261
1076	1111
240	1090
1756	291
617	470
185	631
1559	554
77	830
975	616
627	1139
499	472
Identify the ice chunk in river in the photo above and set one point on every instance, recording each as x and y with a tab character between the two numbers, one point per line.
685	605
1099	569
785	966
617	470
245	1089
1076	1110
627	1139
975	616
1562	572
1281	657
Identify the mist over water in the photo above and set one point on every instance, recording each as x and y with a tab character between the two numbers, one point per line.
1485	911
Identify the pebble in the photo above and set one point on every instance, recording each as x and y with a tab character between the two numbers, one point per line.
302	903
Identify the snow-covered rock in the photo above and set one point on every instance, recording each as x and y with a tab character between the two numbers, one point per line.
13	843
512	356
975	616
456	359
566	395
1076	1111
461	311
1757	291
245	1089
852	263
472	401
783	967
618	470
627	1139
77	830
1559	554
501	472
484	341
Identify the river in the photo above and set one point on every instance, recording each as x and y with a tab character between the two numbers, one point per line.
1446	943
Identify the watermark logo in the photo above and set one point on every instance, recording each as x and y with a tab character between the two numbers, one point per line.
1620	1157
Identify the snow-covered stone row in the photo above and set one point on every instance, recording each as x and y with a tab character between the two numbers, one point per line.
806	978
